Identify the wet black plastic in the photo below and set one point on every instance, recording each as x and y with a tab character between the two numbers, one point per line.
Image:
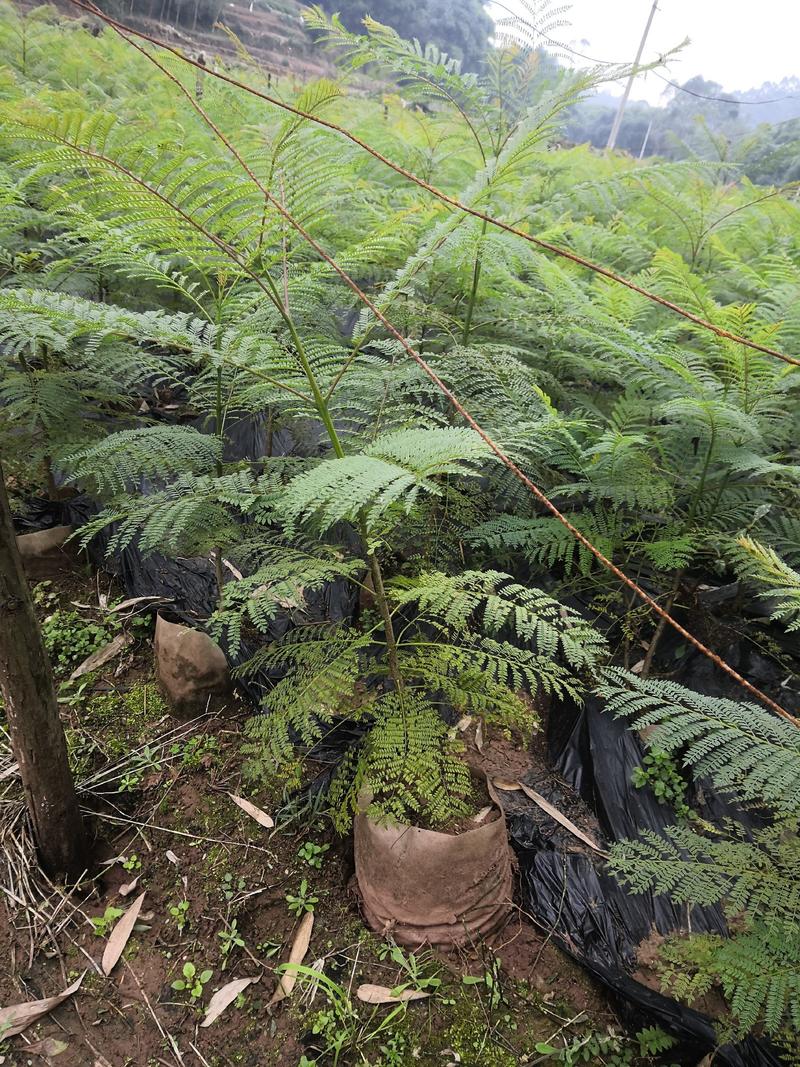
592	917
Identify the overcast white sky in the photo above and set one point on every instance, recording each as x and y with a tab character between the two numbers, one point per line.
738	43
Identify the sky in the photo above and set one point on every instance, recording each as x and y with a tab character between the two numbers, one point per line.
734	42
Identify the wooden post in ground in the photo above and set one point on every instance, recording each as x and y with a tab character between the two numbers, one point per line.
31	710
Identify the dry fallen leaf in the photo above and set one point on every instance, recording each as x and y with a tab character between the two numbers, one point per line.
133	601
507	787
554	813
481	815
260	816
479	736
48	1046
296	955
223	997
18	1017
237	574
126	889
102	656
120	935
172	857
381	994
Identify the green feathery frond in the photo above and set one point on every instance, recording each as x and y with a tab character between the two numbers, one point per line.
752	878
747	751
323	664
758	972
393	470
778	584
493	604
119	462
407	769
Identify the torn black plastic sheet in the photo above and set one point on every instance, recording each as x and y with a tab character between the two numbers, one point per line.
589	914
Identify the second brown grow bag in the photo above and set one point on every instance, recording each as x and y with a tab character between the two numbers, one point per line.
421	886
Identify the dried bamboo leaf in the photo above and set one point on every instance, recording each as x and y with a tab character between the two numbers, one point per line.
296	955
260	816
223	997
102	656
554	813
381	994
18	1017
126	889
120	935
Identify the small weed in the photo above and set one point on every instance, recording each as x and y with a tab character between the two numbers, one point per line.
142	762
180	913
230	938
102	923
312	854
413	967
303	901
199	751
660	772
192	982
268	949
611	1050
231	886
490	981
132	862
70	639
337	1029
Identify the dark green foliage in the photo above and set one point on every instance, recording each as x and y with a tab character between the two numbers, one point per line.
461	28
776	582
746	750
751	877
149	298
464	647
759	973
410	760
659	773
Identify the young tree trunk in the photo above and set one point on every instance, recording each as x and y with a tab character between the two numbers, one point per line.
31	709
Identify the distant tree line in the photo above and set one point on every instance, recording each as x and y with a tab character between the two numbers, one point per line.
193	14
702	121
459	27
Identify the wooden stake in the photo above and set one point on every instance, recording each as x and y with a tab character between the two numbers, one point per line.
31	709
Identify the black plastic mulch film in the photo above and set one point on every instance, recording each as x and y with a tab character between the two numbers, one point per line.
590	916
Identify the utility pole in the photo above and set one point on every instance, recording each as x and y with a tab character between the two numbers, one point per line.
612	137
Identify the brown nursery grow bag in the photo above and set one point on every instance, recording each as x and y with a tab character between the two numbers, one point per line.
46	553
192	670
422	886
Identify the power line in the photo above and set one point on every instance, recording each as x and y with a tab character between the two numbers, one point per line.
610	63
